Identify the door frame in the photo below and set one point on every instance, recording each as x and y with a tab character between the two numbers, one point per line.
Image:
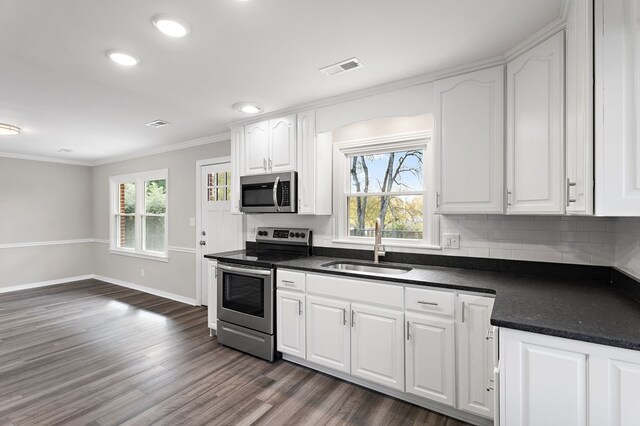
199	254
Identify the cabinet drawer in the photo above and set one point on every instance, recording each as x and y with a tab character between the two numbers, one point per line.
432	301
290	280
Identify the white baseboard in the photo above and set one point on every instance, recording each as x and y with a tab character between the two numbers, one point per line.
45	283
145	289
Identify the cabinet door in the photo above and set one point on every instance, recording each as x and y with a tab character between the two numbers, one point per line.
617	108
328	333
535	130
256	148
212	308
544	380
290	323
579	58
282	141
237	161
475	355
376	345
469	142
306	165
430	349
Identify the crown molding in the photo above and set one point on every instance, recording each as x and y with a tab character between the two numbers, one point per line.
45	159
221	137
538	37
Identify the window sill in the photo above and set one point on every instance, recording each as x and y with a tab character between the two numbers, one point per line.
157	258
419	246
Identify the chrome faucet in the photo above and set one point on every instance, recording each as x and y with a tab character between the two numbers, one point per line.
378	248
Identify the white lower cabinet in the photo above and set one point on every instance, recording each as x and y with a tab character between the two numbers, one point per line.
290	323
212	307
475	355
430	357
550	380
376	345
329	333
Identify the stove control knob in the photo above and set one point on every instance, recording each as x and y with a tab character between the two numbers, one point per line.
291	235
297	235
302	235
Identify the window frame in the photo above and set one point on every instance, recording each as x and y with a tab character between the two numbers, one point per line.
140	212
342	188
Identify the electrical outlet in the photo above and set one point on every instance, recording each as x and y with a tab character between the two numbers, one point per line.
142	272
451	241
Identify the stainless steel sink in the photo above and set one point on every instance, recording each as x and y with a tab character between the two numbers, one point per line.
368	268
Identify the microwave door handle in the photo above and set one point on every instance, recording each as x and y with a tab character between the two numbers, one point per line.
275	193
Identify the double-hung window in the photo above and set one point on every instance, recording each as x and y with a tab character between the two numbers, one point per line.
385	180
138	219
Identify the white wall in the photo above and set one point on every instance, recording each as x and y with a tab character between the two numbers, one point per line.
45	221
628	245
178	275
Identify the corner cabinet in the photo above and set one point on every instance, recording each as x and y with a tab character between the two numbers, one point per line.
270	146
469	142
535	130
617	108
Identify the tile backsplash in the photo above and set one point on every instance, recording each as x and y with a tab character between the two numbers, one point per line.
627	231
565	239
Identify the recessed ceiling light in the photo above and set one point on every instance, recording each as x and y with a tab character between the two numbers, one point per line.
173	27
123	58
248	107
157	123
8	129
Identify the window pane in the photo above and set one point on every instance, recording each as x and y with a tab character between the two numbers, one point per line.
403	216
229	178
127	198
211	196
389	172
221	194
153	233
155	197
126	237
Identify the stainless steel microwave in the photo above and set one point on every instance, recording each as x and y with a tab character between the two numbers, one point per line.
272	193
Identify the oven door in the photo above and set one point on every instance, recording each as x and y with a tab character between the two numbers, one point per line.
245	296
274	193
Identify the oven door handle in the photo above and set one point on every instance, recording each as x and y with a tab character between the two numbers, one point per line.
244	270
275	193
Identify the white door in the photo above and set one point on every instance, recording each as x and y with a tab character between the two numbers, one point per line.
290	329
282	141
469	140
475	355
376	345
219	229
535	130
256	148
430	349
328	333
543	382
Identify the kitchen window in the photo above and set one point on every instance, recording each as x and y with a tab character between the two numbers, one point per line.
390	180
138	223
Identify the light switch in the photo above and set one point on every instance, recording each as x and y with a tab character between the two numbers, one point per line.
451	241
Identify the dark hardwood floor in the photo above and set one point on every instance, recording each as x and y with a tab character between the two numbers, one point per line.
95	353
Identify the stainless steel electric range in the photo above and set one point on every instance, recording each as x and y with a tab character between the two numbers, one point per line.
246	289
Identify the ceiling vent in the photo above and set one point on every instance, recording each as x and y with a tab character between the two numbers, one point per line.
343	66
157	123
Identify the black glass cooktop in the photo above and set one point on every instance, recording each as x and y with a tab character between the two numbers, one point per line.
255	258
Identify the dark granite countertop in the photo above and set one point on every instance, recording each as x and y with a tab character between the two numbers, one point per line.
589	309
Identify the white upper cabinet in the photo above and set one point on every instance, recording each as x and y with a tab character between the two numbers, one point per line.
270	146
535	130
579	108
256	148
475	355
617	107
237	160
282	144
469	140
314	167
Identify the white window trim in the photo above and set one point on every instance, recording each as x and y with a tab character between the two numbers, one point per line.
139	179
342	150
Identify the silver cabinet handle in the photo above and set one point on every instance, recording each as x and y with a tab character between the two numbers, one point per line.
424	302
287	282
264	164
270	165
508	198
353	319
275	193
408	330
569	185
490	386
299	307
344	316
463	312
437	199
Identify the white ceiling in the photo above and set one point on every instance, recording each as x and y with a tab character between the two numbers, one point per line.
58	85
